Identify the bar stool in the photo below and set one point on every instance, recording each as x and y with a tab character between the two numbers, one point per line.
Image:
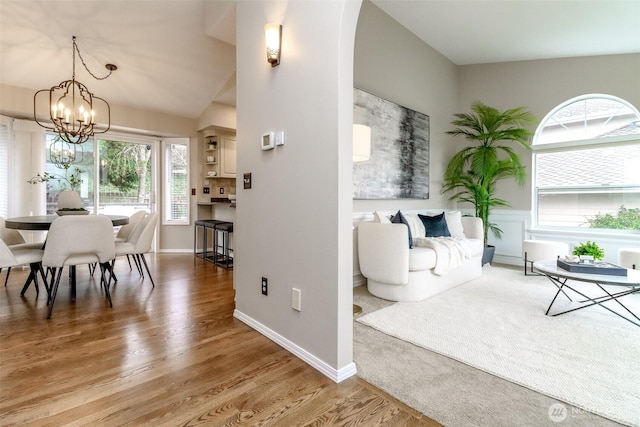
222	252
206	224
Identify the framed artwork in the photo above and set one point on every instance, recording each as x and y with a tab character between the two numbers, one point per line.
399	164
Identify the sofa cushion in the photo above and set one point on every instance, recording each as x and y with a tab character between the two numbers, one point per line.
435	226
422	259
454	224
398	218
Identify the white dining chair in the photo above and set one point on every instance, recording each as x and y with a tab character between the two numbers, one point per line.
74	240
126	230
15	241
22	256
139	243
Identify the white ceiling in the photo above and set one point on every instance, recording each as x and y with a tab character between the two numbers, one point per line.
486	31
166	61
177	56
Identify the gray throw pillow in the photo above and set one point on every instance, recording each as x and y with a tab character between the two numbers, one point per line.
400	219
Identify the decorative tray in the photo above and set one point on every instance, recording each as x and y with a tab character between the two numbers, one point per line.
597	268
62	212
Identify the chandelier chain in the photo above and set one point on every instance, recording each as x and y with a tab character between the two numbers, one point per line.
77	49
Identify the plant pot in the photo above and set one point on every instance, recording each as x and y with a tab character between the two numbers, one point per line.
487	254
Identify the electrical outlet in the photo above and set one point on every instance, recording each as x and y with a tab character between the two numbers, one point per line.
265	288
221	190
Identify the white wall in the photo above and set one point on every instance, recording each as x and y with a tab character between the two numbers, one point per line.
294	225
394	64
542	85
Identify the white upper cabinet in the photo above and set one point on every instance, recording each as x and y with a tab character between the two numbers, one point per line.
228	157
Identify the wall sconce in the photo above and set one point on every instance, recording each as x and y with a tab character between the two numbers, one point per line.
361	143
273	35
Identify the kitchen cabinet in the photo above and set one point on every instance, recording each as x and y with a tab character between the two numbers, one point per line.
228	149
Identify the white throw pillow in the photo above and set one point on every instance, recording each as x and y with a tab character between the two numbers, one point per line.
383	219
415	225
454	224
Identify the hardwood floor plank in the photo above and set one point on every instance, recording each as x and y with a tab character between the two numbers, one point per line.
164	356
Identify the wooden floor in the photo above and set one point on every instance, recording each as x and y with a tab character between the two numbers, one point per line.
165	356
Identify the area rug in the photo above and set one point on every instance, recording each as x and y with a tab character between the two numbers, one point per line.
496	323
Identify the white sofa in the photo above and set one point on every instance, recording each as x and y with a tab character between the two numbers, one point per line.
397	273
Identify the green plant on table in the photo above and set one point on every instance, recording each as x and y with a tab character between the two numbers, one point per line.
69	181
589	248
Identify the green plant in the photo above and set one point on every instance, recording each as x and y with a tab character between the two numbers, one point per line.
473	172
626	219
589	248
72	181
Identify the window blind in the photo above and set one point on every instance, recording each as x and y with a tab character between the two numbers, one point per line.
4	166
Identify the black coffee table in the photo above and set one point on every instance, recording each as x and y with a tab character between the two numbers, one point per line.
629	284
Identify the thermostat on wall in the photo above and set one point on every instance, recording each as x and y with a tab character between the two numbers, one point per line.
268	140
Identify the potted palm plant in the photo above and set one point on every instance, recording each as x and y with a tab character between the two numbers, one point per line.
473	172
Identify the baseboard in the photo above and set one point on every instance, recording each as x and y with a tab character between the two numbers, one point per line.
337	375
359	280
509	260
176	251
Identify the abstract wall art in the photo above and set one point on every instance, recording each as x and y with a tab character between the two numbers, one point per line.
399	164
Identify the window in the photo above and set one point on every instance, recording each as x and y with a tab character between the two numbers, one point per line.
112	176
587	165
125	178
175	181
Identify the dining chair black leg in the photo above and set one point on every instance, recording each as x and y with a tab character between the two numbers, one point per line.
103	268
55	281
6	279
129	261
113	275
136	259
33	277
109	267
144	260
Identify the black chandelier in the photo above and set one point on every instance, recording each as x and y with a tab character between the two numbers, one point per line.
62	154
71	106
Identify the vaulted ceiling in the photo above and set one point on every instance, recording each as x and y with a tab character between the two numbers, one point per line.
177	56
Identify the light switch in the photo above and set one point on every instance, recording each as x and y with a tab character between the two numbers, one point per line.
247	181
296	299
280	138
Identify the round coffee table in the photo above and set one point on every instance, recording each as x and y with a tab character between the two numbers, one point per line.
629	284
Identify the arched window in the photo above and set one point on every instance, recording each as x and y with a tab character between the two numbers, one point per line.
587	165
